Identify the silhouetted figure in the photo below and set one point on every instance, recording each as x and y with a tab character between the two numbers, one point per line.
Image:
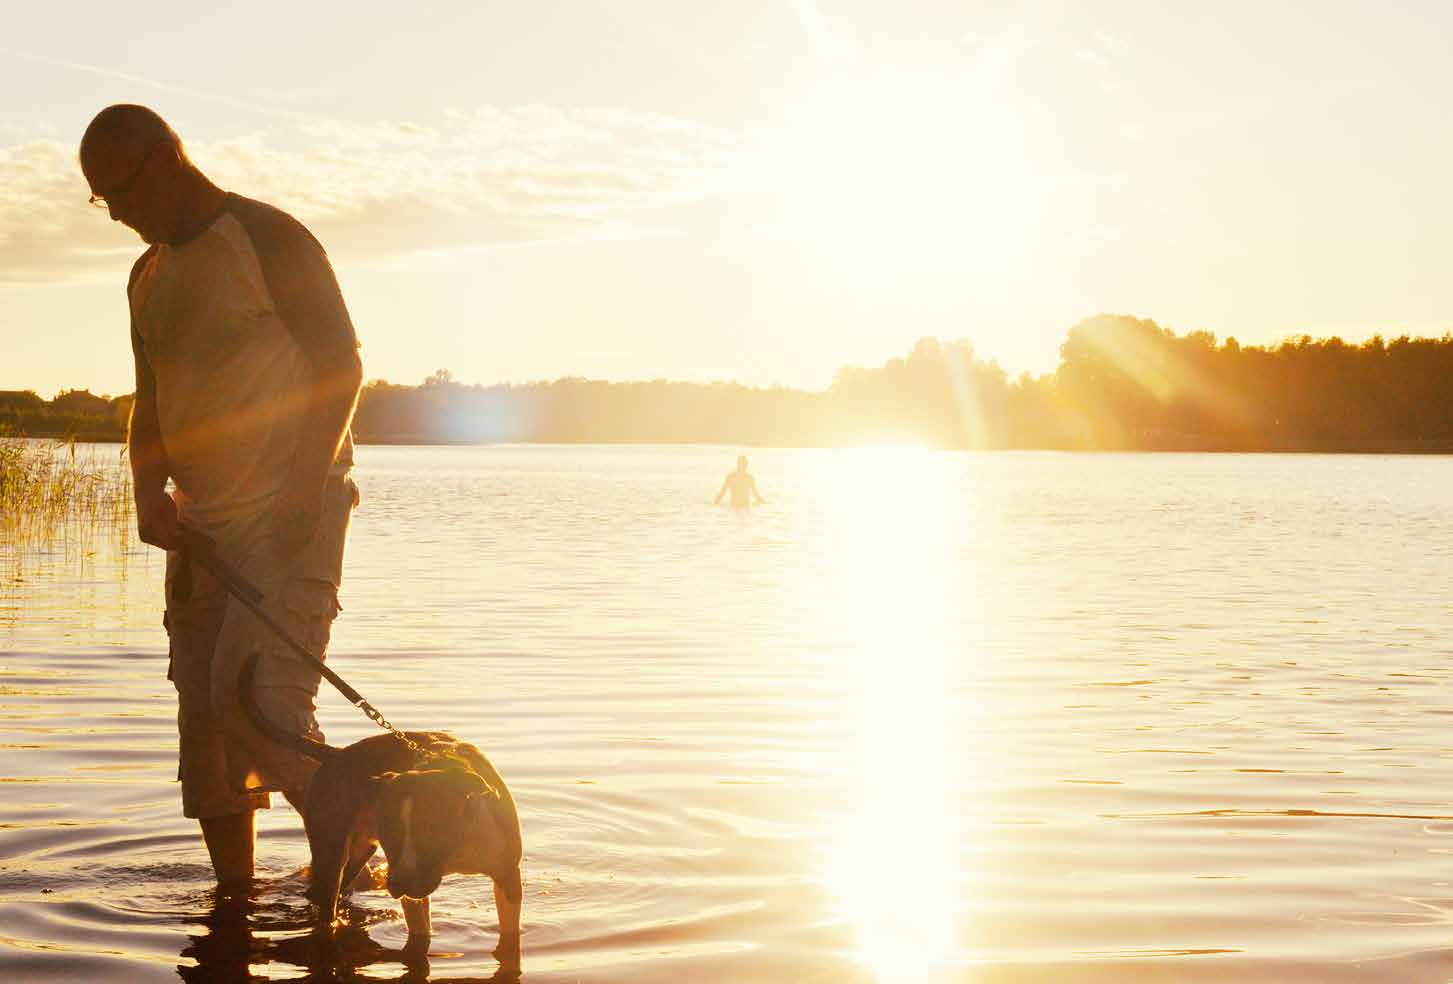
247	372
742	486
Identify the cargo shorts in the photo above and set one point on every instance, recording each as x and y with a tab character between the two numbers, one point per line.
226	766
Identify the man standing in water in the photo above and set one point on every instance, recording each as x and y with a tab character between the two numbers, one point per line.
742	486
247	374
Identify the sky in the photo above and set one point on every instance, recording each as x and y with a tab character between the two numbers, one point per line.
756	191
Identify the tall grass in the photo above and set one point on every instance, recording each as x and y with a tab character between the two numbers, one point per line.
47	488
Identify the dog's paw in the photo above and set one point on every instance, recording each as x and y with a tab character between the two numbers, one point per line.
508	951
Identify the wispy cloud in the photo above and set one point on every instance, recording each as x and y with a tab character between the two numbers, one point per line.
46	228
116	75
1112	43
826	41
396	191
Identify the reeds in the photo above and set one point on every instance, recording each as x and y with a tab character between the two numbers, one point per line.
46	488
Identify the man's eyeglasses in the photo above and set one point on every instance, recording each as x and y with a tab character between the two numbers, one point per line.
101	201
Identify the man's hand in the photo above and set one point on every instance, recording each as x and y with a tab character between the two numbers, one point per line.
295	518
156	519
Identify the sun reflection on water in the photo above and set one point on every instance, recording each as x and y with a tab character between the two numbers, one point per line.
894	857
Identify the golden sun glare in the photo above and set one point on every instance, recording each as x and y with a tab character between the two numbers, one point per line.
894	861
890	176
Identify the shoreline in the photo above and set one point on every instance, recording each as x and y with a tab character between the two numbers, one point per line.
1402	446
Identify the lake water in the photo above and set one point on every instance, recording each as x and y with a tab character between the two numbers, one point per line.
924	717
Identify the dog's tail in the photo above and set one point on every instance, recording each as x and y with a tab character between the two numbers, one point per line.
302	744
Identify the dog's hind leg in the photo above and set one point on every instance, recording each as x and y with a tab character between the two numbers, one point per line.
355	876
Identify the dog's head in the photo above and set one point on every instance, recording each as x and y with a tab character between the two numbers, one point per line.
426	816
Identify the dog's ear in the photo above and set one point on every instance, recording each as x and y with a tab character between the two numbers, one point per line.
377	783
481	807
477	782
464	778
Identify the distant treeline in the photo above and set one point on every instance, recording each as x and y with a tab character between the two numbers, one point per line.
1122	383
77	414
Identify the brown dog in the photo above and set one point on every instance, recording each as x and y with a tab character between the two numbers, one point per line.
447	814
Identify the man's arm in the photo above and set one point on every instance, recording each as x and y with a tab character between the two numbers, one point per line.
306	295
156	512
330	401
757	495
723	490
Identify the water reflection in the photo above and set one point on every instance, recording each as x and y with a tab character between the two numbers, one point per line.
897	599
246	938
937	718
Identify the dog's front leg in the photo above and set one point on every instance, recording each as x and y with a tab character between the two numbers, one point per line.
416	917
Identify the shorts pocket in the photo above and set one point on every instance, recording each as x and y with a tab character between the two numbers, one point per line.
306	609
322	558
311	605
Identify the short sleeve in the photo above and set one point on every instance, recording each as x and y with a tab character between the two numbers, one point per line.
301	281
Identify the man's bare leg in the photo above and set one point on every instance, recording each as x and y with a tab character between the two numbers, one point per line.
231	843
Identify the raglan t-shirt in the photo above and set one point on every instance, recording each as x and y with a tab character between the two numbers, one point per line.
216	321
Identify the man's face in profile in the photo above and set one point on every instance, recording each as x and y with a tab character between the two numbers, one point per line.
123	180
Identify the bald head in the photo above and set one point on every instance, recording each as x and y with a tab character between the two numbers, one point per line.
117	140
124	122
136	162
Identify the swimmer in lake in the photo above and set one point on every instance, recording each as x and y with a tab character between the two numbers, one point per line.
742	486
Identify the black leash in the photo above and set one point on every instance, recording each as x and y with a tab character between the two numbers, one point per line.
202	550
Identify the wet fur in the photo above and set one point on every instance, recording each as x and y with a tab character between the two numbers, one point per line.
453	815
